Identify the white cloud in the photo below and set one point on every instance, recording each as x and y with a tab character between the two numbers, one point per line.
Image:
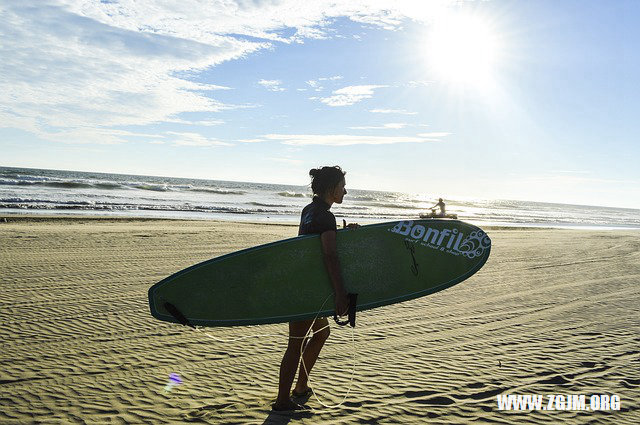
385	20
571	172
193	139
388	126
206	123
209	87
349	95
392	111
272	85
435	135
91	135
343	139
419	83
69	72
287	160
316	83
106	136
73	65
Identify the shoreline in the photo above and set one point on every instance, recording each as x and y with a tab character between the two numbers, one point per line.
51	192
52	218
42	218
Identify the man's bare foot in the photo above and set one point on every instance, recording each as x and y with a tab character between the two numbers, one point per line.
301	392
288	405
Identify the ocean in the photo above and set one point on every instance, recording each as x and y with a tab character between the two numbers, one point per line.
36	191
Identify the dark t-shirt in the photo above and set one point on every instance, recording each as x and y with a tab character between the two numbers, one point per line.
316	218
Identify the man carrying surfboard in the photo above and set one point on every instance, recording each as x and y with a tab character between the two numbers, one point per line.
328	186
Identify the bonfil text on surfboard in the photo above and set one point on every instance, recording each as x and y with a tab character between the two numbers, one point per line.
449	240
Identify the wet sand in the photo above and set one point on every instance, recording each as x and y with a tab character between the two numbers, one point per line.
552	312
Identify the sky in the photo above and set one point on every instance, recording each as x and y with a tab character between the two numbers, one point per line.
492	99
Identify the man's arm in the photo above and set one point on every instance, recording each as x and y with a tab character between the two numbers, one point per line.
331	262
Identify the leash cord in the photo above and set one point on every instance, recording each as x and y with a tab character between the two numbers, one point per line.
302	348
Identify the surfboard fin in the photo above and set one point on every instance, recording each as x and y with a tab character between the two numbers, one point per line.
351	320
172	309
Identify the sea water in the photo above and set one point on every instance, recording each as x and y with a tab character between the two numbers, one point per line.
25	191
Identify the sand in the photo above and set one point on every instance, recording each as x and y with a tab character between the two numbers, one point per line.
552	312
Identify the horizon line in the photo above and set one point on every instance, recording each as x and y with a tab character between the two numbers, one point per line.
294	185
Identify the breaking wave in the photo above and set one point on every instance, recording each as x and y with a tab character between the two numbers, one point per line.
288	194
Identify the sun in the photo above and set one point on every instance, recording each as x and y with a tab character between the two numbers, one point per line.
463	48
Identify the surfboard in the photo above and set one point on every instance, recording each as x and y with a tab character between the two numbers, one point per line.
284	281
434	215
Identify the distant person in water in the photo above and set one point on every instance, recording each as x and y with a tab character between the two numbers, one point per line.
328	186
440	205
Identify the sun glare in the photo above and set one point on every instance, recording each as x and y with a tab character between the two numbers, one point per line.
462	49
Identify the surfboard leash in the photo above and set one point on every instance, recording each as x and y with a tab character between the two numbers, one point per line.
353	342
302	346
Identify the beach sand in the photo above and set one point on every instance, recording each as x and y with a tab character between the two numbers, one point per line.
552	312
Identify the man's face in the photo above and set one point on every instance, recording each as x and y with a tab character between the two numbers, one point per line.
339	192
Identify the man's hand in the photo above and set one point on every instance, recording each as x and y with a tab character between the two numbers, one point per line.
342	303
350	225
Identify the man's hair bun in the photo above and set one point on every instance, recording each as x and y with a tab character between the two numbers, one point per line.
325	179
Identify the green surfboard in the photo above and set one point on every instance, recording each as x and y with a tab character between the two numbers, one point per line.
287	280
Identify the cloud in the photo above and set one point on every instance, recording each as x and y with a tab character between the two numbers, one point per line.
64	71
72	65
193	139
435	135
106	136
272	85
91	135
343	139
316	84
571	172
287	160
419	83
388	126
381	18
349	95
204	20
206	123
209	87
392	111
